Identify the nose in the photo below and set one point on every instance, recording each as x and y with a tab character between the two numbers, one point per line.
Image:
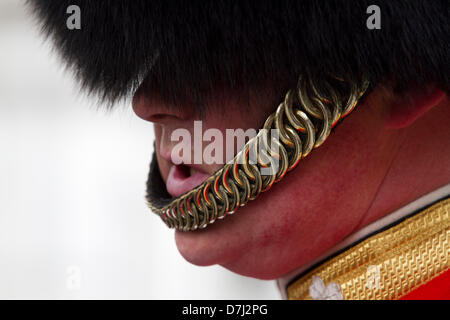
150	106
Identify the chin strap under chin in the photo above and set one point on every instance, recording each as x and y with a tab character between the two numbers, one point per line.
303	121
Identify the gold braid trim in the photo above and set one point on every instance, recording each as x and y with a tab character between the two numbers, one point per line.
303	121
406	256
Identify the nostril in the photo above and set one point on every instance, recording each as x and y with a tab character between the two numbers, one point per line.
156	117
154	110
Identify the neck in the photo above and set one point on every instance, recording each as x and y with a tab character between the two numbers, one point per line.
421	164
372	228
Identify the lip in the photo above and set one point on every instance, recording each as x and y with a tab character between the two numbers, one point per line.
179	181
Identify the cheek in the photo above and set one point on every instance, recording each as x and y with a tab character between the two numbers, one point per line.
314	207
306	214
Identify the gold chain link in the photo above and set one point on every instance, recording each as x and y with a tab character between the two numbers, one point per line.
303	121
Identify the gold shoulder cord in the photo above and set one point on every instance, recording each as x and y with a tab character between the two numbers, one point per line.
303	121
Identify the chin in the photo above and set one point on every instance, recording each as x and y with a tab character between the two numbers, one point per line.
205	249
216	244
234	246
197	248
194	248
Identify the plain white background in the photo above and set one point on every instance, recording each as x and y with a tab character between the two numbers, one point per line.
73	222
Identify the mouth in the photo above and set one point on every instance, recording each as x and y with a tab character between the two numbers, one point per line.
182	178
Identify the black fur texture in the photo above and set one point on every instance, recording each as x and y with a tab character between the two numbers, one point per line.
186	48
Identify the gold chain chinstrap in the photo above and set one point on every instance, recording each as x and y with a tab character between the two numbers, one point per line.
303	121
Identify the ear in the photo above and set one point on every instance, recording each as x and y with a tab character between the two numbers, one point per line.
413	104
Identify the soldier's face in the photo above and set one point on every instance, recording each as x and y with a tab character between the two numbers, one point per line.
312	208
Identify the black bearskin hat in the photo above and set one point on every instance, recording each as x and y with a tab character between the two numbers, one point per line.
188	47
